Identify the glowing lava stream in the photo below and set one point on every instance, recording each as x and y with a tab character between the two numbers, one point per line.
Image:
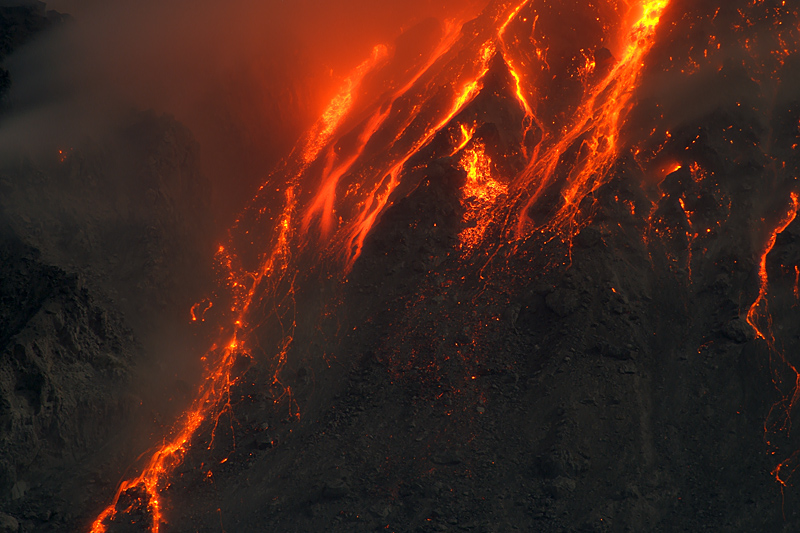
479	194
759	312
339	107
530	118
145	489
755	311
601	116
323	203
214	391
379	197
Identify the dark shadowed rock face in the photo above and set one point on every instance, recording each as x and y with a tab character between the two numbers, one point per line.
19	21
100	247
65	360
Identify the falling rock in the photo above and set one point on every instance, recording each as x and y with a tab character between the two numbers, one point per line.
265	441
18	490
560	462
588	237
612	351
563	302
8	524
335	490
560	488
738	331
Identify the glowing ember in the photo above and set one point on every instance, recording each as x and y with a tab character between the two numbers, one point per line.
479	194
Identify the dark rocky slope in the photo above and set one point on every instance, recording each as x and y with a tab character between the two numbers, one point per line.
102	247
613	385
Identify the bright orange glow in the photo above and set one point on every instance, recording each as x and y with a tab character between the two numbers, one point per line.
479	194
797	282
338	108
758	311
379	197
213	397
323	202
346	170
779	418
670	168
466	136
691	235
598	122
530	118
198	310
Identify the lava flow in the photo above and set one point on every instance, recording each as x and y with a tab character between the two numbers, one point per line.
595	129
778	420
213	398
351	166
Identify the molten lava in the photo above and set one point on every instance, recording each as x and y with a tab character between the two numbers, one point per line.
362	153
479	194
778	420
594	133
758	311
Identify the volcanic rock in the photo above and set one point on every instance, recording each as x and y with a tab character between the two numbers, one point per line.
560	488
563	302
738	331
8	524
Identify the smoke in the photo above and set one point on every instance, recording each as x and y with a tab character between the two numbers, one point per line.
246	76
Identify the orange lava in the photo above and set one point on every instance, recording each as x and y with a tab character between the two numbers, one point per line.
337	110
779	417
198	310
758	311
797	282
379	197
597	125
213	396
343	173
479	194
